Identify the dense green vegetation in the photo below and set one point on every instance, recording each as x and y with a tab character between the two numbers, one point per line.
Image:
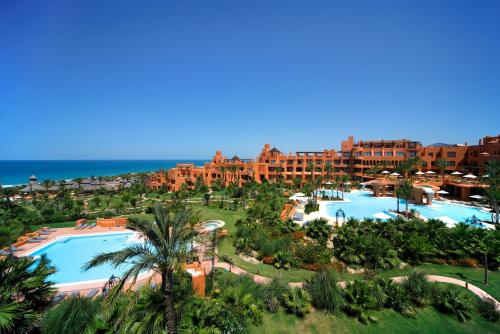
362	254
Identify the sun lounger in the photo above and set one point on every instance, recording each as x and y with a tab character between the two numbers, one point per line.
75	294
33	241
4	253
92	225
82	226
60	296
40	238
44	233
92	293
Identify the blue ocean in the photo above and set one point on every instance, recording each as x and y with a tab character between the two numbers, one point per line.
15	172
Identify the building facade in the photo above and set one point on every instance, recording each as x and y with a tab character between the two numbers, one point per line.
354	159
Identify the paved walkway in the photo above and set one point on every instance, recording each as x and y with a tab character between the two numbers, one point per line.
432	278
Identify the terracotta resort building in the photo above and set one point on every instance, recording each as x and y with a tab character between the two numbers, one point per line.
357	160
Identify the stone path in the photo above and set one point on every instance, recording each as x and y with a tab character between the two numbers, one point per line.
432	278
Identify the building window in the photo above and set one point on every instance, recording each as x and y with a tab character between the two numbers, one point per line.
388	154
400	154
451	154
430	154
357	154
367	154
378	154
412	154
346	154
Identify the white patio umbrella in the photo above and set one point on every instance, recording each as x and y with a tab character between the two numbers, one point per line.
384	172
328	183
430	172
419	173
442	192
470	176
299	195
486	175
456	173
476	196
395	174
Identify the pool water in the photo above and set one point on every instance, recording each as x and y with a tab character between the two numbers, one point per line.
362	205
69	254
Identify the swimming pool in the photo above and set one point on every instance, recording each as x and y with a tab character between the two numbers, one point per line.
362	204
69	254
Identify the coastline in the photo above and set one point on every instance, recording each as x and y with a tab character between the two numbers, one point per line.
14	173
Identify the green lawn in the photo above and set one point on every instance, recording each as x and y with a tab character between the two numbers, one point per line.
428	320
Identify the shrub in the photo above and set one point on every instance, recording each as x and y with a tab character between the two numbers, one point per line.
324	291
273	294
72	315
210	316
488	309
396	297
360	299
451	300
297	301
268	260
284	260
418	288
298	235
311	266
310	207
470	263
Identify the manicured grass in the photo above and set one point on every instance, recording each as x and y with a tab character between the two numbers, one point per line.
428	320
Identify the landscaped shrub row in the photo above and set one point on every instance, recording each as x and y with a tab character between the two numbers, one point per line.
361	299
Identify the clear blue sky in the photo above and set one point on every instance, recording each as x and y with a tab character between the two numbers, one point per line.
163	79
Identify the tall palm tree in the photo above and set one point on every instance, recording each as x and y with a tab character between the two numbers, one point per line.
343	180
79	182
492	168
165	249
222	171
328	170
442	164
47	184
404	191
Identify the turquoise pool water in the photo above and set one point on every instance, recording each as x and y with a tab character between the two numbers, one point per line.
69	254
363	205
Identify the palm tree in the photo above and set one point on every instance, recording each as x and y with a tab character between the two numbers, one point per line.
404	191
79	182
25	292
343	180
166	248
442	164
328	170
47	184
310	168
222	171
492	168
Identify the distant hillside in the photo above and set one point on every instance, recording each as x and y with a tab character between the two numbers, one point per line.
441	145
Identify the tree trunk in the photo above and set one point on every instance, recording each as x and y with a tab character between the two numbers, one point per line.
486	269
168	285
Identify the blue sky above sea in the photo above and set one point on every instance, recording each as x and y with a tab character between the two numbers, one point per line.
175	79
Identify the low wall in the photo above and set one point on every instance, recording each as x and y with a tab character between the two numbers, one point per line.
112	222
